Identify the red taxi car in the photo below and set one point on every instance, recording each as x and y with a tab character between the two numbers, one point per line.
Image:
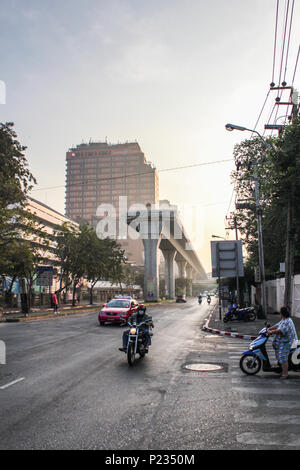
112	311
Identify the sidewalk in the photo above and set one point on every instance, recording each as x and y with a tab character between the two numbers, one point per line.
240	329
15	315
47	312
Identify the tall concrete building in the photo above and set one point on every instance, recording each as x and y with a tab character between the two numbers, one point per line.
99	173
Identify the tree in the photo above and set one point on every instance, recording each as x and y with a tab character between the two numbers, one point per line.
15	183
22	238
103	259
64	238
278	172
287	161
80	253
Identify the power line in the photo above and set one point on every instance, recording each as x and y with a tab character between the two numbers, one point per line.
283	40
263	107
289	38
111	178
275	41
296	66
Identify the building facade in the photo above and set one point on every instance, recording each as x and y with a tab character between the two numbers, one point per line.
99	174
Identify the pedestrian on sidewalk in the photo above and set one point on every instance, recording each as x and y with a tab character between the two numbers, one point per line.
55	303
285	335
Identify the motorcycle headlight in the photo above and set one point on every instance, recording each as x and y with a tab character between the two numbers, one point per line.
133	331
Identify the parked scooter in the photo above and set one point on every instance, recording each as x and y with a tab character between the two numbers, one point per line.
257	356
240	314
136	341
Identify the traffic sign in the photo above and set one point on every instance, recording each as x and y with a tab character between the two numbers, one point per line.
227	258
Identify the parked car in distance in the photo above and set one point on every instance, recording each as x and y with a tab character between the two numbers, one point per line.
117	308
181	298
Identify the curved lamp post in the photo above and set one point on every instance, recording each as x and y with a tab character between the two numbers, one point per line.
232	127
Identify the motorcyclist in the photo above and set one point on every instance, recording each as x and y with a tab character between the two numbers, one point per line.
139	317
208	299
199	298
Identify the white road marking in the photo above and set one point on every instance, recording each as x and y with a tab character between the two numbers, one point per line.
267	391
266	419
11	383
271	439
252	392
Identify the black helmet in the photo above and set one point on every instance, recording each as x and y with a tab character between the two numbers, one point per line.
141	310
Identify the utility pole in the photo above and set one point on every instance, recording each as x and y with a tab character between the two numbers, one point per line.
290	238
233	226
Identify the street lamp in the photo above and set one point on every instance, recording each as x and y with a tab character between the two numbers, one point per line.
217	236
231	127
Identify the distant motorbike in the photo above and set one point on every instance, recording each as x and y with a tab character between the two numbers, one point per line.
240	314
208	300
199	300
257	356
136	341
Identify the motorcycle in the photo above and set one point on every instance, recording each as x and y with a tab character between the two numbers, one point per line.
136	342
199	301
257	356
240	314
208	300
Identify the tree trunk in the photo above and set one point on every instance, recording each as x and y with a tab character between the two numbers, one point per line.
74	291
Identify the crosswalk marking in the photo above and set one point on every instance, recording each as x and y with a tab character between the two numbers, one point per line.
264	399
263	419
271	439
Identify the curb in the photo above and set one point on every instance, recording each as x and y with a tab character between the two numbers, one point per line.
225	333
47	316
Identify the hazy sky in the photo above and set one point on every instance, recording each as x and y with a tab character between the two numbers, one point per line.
167	73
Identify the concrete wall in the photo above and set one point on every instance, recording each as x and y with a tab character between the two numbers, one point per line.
275	295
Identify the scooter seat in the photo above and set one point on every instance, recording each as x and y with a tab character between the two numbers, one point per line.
295	344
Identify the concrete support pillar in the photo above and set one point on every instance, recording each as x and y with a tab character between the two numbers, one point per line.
151	280
181	267
150	232
189	275
181	263
169	256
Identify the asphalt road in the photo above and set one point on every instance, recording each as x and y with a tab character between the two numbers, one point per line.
66	386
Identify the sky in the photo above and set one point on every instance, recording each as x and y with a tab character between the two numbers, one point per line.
168	74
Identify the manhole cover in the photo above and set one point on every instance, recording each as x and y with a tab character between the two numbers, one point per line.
203	367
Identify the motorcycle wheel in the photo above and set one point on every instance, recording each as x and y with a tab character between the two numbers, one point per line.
227	318
252	316
250	365
131	354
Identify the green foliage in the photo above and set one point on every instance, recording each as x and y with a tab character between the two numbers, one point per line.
81	254
15	178
278	172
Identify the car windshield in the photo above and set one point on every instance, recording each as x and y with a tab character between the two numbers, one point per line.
118	304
